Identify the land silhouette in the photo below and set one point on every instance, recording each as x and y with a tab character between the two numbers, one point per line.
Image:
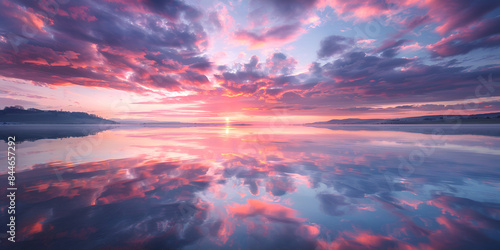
488	118
19	115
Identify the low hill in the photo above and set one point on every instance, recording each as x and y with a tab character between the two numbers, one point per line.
489	118
19	115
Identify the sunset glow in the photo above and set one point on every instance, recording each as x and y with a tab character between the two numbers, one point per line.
250	124
251	61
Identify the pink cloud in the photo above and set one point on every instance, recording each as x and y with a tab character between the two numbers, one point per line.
485	34
274	36
411	47
359	9
271	211
81	12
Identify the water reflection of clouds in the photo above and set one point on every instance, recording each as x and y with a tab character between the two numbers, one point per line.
296	191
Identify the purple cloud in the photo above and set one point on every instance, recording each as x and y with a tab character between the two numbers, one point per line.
485	34
333	45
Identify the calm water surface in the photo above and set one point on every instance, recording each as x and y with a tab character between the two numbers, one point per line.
414	187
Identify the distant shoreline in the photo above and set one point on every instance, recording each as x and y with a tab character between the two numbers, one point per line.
18	115
488	118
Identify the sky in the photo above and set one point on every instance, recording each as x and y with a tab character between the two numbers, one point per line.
251	61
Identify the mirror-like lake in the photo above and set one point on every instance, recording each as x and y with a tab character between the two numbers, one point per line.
339	187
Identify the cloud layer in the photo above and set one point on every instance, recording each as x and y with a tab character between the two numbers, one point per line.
428	52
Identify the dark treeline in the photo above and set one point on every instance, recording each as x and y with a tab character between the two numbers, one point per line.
17	114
